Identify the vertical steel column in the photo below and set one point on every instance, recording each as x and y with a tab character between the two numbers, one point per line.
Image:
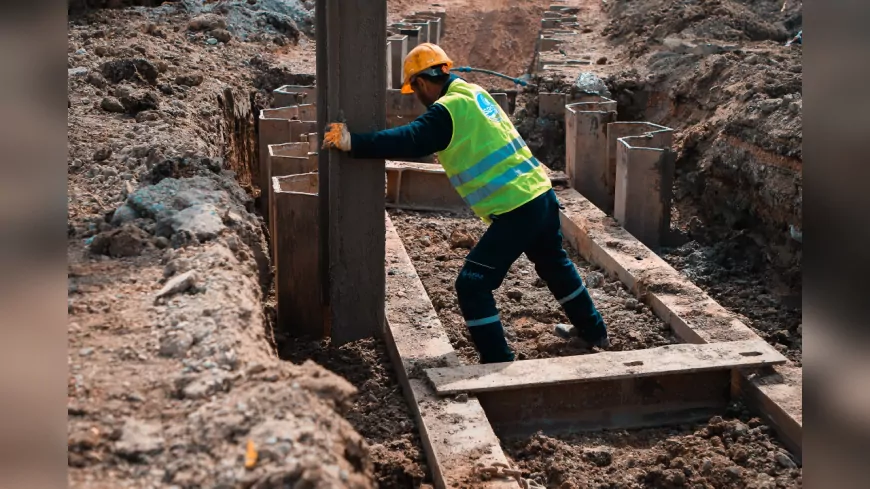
355	34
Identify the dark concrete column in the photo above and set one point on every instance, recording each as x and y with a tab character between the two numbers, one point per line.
354	34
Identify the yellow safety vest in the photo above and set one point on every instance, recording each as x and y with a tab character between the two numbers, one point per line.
487	160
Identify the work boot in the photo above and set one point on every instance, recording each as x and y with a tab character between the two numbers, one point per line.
491	344
569	331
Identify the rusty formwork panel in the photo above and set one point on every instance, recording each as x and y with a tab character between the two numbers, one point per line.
277	126
644	187
604	366
398	50
421	186
287	95
586	148
456	434
295	205
663	137
774	392
284	160
412	31
433	24
425	29
434	11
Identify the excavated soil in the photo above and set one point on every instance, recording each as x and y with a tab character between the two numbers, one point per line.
379	412
733	451
438	244
168	392
716	72
498	35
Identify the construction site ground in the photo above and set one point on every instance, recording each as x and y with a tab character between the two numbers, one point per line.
173	365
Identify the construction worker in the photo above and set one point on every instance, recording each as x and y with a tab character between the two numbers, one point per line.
494	171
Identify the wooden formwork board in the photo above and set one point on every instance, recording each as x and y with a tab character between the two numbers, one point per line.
456	435
776	392
617	365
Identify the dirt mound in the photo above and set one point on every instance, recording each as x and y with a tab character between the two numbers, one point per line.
733	452
643	24
173	379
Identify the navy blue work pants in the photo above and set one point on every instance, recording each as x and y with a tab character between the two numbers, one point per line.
534	229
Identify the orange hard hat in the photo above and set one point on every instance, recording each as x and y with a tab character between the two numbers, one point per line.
420	59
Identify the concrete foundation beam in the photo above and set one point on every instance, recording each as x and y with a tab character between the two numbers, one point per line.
421	186
398	51
434	24
552	105
550	44
663	137
389	64
586	148
295	206
644	187
285	160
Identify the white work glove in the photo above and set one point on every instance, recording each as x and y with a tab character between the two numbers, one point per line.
337	137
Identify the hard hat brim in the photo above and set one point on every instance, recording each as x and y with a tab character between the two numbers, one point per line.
406	89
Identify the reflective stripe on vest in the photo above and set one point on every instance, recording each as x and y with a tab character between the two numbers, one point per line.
500	181
488	162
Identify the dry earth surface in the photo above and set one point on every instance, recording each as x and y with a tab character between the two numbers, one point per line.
168	391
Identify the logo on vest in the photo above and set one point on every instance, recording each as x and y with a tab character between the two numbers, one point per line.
489	109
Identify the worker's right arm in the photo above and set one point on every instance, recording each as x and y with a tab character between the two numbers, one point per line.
426	135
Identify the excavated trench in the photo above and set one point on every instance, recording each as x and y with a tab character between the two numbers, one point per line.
736	449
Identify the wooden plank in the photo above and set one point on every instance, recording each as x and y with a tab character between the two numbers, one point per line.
670	359
456	435
629	403
355	37
692	314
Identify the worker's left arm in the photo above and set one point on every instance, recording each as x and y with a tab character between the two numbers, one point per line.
427	134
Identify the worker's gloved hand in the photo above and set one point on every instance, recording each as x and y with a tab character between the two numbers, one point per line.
337	137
